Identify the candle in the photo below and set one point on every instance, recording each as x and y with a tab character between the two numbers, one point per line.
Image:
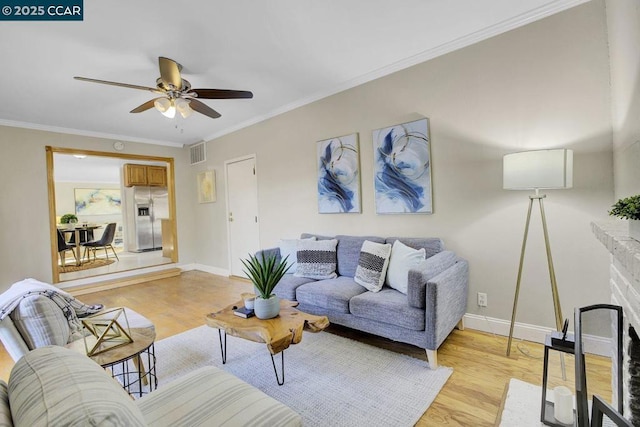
563	408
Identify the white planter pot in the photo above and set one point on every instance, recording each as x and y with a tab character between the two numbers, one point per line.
266	308
634	229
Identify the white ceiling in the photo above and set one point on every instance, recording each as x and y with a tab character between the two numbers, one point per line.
287	52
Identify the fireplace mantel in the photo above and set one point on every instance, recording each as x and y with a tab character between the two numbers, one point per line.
625	265
625	288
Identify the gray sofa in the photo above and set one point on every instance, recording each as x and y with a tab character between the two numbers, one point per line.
434	305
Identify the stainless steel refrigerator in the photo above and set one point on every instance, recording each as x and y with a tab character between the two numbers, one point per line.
144	209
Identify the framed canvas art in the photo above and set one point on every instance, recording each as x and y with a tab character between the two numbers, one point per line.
207	187
402	168
98	201
339	175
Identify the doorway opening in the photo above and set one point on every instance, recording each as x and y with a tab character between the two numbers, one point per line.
90	187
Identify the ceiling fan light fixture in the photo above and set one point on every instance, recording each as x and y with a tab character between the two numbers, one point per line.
166	106
183	107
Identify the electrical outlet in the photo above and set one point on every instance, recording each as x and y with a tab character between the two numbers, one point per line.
482	299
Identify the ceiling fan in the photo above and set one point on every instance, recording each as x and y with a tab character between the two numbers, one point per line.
177	94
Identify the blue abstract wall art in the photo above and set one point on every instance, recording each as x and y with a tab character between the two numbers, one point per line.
402	168
339	175
98	201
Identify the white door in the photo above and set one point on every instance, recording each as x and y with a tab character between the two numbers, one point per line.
242	212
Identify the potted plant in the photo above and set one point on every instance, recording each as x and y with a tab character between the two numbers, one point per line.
629	208
265	273
70	219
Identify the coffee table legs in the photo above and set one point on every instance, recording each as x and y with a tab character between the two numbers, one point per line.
223	352
274	367
223	349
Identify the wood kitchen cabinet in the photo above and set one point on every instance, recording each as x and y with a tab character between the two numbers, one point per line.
155	176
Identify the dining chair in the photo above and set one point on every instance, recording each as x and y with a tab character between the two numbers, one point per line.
63	247
85	236
104	242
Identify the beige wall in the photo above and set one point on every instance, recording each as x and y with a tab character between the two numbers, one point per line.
542	86
24	212
623	19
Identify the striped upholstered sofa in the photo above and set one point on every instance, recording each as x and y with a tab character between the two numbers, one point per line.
55	386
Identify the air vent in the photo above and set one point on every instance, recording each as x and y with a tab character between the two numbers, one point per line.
198	153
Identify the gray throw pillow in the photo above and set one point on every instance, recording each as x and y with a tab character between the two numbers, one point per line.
317	259
41	322
372	265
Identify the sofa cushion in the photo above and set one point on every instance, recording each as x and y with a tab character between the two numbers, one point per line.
425	271
289	248
349	252
286	287
57	386
388	306
403	259
316	259
41	322
331	294
212	397
372	265
5	411
431	245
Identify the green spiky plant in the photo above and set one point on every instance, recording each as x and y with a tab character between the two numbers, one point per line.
265	273
67	218
628	208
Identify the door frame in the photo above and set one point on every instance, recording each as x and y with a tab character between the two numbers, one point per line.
226	192
49	151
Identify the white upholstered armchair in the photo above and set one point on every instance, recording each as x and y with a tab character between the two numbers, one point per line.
34	314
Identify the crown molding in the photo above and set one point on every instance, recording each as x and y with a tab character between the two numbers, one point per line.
81	132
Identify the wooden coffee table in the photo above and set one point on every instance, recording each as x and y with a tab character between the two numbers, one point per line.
277	333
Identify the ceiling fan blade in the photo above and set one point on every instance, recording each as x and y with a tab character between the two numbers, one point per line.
203	109
144	107
105	82
222	93
170	72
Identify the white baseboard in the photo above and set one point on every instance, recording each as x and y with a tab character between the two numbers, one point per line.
593	344
209	269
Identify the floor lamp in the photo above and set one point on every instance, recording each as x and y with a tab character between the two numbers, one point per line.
537	170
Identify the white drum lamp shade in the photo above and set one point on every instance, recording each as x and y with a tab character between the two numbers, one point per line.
540	169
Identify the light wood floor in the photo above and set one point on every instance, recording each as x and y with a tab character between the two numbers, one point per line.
471	397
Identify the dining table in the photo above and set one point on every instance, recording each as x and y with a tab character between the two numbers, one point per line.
65	229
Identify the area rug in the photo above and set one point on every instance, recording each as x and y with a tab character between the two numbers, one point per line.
70	268
522	405
329	380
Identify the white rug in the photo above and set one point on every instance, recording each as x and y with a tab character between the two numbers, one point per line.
523	404
329	380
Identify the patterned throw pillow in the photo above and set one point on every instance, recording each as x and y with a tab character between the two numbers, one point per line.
317	259
289	248
403	259
372	265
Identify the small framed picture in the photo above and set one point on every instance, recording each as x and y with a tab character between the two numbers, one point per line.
207	187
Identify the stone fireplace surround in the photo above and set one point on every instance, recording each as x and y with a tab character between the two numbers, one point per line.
625	292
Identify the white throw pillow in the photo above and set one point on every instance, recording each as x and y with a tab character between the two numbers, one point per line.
317	259
403	259
372	265
289	248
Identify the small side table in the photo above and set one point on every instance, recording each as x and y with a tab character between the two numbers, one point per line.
141	352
